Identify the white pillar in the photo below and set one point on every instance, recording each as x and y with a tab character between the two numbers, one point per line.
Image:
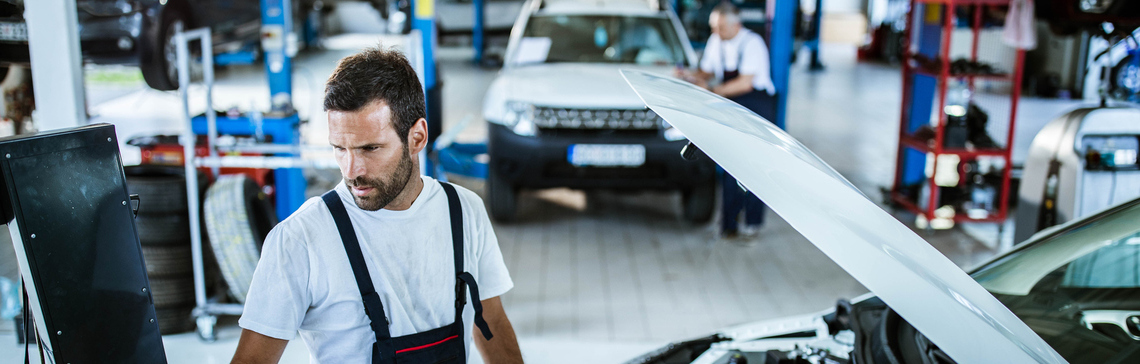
57	73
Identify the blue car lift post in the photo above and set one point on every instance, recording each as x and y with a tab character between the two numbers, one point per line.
780	50
280	123
477	31
423	20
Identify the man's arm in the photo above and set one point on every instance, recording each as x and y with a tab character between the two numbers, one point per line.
503	348
738	86
254	348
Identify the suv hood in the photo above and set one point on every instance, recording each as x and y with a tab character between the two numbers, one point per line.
569	85
909	275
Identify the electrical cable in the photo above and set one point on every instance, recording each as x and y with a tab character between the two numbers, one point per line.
1112	190
24	287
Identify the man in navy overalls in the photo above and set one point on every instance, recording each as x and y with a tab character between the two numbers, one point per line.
737	57
390	266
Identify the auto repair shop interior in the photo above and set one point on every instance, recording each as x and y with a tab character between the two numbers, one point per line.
642	181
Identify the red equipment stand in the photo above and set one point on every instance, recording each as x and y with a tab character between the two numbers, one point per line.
919	202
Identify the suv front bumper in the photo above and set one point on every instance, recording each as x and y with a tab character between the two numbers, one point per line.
542	162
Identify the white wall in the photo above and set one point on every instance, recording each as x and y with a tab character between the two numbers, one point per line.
843	6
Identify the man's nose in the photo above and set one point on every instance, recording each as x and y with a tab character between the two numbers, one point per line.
355	165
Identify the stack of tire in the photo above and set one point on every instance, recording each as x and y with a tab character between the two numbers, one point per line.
163	226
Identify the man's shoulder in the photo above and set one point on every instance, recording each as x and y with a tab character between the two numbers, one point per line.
464	192
752	37
312	212
471	202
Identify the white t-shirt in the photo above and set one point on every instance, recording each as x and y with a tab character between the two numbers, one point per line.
304	281
754	61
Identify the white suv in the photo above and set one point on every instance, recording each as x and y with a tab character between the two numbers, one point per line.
561	115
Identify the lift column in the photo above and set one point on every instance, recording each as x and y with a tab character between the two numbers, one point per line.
279	43
477	32
424	21
780	55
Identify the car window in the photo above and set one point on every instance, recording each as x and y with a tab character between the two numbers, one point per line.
602	39
1078	289
1116	265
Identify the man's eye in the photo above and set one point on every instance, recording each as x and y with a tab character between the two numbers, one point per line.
338	149
370	148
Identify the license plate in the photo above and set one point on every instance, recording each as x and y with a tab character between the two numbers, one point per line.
13	31
606	155
752	15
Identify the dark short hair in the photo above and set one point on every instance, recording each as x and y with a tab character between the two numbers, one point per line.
725	8
377	74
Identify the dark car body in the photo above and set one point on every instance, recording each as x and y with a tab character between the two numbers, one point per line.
531	162
137	31
1070	16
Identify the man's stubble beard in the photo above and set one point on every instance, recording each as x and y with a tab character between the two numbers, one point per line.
386	191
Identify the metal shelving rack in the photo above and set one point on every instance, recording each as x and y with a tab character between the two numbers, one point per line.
943	78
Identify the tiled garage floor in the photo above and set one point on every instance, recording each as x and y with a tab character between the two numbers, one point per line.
602	276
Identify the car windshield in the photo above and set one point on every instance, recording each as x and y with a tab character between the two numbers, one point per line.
1079	289
642	40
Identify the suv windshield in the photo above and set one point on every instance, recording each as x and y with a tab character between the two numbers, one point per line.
1078	289
600	39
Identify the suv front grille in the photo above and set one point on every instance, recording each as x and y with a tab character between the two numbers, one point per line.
563	118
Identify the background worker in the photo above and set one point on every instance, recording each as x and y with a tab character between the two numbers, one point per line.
738	58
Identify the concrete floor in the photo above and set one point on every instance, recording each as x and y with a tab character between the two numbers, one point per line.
601	276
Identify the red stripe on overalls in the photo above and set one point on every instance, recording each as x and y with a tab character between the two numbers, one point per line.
427	346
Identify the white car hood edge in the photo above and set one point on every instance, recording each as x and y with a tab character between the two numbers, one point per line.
914	279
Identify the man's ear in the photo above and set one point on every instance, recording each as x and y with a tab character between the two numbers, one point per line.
418	136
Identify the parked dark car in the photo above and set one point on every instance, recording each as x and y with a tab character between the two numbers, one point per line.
1067	17
139	32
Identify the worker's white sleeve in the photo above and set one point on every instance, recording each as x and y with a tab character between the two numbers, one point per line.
492	276
710	57
755	59
279	294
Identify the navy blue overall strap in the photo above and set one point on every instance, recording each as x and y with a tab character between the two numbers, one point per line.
475	302
373	306
463	279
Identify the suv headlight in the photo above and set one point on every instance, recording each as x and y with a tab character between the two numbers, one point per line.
1095	6
520	118
108	7
671	133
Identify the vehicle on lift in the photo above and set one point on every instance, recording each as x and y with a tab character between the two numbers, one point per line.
458	16
1071	293
454	16
560	115
141	32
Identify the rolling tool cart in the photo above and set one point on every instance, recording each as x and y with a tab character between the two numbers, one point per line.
235	238
949	169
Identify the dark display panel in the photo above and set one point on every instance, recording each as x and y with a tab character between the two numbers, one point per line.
67	194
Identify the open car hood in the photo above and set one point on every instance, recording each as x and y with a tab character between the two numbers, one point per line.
909	275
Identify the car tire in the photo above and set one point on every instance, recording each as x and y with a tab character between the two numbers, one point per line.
156	62
502	196
698	202
161	190
174	320
163	229
172	292
238	217
167	260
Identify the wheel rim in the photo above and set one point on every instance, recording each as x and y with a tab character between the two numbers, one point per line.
1130	78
